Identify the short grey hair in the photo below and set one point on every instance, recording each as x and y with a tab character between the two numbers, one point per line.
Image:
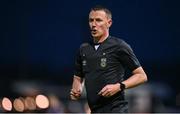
101	8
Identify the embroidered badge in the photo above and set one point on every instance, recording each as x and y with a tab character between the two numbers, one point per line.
84	62
103	62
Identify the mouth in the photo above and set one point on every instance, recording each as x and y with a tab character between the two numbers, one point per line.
93	31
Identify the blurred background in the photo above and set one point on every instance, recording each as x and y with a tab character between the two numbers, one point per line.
39	39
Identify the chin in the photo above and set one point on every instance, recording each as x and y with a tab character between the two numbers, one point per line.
95	36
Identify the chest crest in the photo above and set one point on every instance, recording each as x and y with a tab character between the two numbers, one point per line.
103	61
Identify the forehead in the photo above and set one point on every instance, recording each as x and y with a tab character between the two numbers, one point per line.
97	14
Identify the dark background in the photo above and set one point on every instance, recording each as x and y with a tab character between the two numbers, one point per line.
39	38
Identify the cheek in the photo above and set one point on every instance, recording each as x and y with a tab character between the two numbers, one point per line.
90	25
103	27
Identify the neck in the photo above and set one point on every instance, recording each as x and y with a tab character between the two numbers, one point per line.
102	38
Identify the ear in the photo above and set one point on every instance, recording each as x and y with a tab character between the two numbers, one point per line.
109	23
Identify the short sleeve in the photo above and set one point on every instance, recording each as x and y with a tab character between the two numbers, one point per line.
78	65
127	56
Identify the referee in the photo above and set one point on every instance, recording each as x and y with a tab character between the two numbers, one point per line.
102	63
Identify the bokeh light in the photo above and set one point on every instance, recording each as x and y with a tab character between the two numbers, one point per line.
42	101
19	105
6	104
30	103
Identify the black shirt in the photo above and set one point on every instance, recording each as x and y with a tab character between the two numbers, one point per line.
103	66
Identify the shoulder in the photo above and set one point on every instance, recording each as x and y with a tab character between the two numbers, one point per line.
118	41
84	45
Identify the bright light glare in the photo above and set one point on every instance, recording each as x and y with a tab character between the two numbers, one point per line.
30	103
42	101
6	104
18	105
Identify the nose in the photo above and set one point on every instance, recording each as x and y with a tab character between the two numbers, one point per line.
94	23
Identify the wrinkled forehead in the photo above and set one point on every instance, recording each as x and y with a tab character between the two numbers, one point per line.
97	14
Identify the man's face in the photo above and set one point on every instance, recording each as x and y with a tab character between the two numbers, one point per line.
99	23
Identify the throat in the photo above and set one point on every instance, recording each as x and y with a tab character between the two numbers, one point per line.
100	39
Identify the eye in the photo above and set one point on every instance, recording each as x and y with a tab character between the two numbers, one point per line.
90	20
99	20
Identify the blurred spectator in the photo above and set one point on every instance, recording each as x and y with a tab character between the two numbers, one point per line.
56	106
86	108
143	100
